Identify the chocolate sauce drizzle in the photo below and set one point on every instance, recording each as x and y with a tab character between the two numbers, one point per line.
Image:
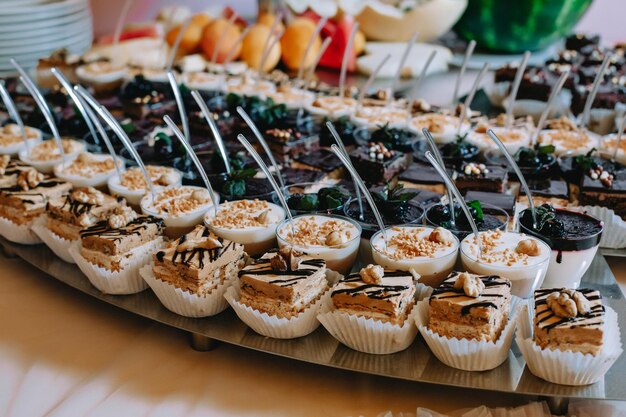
31	197
187	257
595	317
447	291
134	227
374	291
262	267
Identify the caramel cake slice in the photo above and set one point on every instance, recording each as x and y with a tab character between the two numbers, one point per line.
376	293
568	319
468	306
198	261
24	197
283	283
109	243
80	209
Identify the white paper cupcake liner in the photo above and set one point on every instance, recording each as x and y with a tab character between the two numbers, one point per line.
18	233
184	303
368	335
465	354
126	281
281	327
614	233
567	367
57	244
273	326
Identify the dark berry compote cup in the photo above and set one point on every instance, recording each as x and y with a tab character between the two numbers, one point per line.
410	213
574	238
493	218
311	198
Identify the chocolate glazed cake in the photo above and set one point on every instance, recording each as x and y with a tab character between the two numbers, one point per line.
468	306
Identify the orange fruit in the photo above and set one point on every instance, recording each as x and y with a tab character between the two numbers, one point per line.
212	34
295	40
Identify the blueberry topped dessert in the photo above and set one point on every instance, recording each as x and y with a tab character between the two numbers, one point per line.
486	217
396	205
305	199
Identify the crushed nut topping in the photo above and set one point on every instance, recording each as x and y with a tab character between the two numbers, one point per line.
471	285
493	252
307	231
121	217
10	134
566	139
88	165
598	173
372	274
286	259
562	123
243	213
179	200
528	247
133	178
88	195
434	122
49	151
410	243
332	103
29	178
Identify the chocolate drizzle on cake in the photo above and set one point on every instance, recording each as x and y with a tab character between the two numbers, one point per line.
546	318
187	256
447	291
374	291
134	227
263	267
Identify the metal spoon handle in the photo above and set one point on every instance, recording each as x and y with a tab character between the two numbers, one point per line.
180	104
396	77
263	143
515	88
213	127
457	85
550	103
435	151
470	97
518	172
14	114
450	184
309	45
344	60
181	138
78	102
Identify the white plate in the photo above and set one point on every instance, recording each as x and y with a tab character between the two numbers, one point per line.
35	15
52	35
49	7
42	46
16	32
30	60
19	27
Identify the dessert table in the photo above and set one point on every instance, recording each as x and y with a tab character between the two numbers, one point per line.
62	353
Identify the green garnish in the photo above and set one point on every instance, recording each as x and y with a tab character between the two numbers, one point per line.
475	204
236	185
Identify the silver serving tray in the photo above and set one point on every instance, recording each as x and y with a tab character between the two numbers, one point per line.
416	363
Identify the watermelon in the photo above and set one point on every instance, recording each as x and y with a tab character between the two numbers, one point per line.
519	25
339	31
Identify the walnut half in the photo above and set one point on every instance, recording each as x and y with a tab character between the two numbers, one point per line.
528	247
286	259
562	304
372	274
472	285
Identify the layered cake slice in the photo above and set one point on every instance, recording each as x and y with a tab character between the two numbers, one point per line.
378	164
24	196
601	188
422	177
570	320
320	160
113	241
198	261
288	143
547	191
283	283
376	293
480	177
468	306
82	208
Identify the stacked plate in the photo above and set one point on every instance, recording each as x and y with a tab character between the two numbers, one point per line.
32	29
